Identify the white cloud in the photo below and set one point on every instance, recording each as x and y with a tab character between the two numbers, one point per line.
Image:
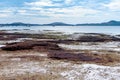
71	11
40	3
3	15
68	1
21	11
60	11
5	11
36	8
75	11
113	5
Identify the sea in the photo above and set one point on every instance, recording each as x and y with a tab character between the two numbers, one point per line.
69	29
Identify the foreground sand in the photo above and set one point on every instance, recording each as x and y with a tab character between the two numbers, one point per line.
30	65
35	64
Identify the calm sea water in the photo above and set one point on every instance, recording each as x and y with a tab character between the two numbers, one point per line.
71	29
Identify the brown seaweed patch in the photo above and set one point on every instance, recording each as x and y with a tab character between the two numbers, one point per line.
38	45
85	57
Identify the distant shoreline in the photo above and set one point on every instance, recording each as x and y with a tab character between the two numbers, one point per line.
110	23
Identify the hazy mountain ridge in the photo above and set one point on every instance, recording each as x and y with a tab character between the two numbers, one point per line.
110	23
19	24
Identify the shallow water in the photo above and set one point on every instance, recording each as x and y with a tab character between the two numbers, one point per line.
1	45
106	46
70	29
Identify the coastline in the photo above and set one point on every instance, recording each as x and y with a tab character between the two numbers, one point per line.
45	52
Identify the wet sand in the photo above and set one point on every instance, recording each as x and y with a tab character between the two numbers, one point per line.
45	56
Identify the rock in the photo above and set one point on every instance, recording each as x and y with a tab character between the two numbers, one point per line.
38	45
94	37
84	57
71	56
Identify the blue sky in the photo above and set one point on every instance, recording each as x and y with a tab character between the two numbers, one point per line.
69	11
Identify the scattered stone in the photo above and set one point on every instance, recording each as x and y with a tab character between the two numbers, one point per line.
37	45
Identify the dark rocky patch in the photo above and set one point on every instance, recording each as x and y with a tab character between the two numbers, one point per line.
85	57
37	45
94	37
72	56
10	37
69	56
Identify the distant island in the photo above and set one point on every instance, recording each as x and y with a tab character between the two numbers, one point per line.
110	23
19	24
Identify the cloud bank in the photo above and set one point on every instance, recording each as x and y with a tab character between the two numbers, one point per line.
71	11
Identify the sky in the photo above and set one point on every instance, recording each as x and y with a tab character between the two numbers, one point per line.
68	11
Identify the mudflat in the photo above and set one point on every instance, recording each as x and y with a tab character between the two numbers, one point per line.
59	56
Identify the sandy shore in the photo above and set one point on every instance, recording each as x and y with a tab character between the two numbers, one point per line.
59	56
